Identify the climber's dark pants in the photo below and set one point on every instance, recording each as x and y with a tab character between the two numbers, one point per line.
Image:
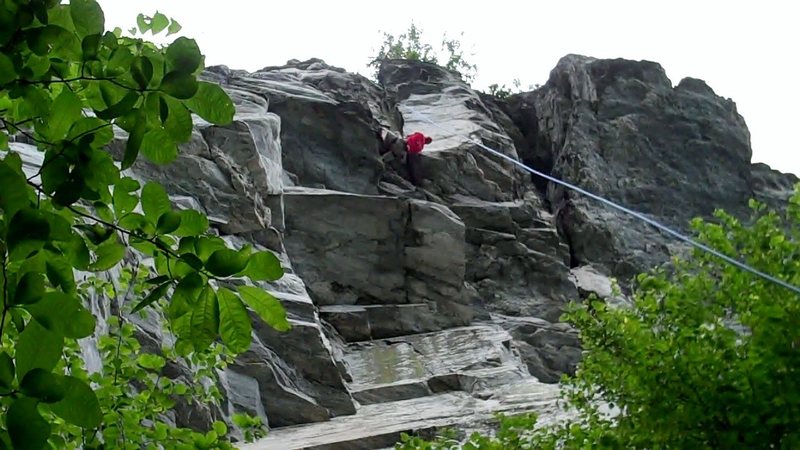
394	152
414	166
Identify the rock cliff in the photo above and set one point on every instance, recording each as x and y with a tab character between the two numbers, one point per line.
419	308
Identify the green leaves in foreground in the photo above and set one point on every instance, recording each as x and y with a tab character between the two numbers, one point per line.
266	306
66	85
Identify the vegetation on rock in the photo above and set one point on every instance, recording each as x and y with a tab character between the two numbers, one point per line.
410	45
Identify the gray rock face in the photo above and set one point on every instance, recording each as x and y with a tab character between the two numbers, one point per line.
618	128
452	164
329	122
417	308
378	266
456	377
771	186
549	350
517	261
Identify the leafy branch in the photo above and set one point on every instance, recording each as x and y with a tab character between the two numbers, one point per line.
56	63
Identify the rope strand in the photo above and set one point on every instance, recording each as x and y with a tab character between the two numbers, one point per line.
625	210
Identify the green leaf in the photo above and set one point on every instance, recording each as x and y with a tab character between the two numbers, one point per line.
60	228
220	428
60	274
264	266
28	231
158	23
7	71
14	194
120	108
193	223
212	104
37	348
38	65
97	233
101	131
192	261
163	110
155	201
142	23
103	211
174	27
135	139
204	319
6	372
70	191
168	222
151	361
154	296
207	245
157	146
120	62
226	262
185	295
80	405
87	16
179	85
124	201
3	141
266	306
55	170
142	71
184	56
137	222
30	289
90	46
77	253
179	120
66	110
42	385
63	314
108	255
234	322
26	427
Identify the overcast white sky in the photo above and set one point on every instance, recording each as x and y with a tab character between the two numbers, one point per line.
745	50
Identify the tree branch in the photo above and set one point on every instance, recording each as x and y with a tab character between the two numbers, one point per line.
82	78
60	153
23	132
153	240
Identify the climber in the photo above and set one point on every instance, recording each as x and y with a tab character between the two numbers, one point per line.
414	145
406	150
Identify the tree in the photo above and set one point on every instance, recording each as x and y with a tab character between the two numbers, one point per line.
64	83
707	357
411	46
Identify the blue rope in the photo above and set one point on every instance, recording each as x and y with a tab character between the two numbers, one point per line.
629	211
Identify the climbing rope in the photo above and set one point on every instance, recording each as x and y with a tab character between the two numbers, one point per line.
619	207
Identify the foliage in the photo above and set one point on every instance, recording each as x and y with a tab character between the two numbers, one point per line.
503	91
707	357
64	82
131	388
514	433
410	45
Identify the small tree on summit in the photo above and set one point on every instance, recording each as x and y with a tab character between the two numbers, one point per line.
410	45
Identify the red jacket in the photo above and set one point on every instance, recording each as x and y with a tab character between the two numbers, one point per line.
415	142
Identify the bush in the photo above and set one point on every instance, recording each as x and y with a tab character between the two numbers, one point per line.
411	46
707	357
